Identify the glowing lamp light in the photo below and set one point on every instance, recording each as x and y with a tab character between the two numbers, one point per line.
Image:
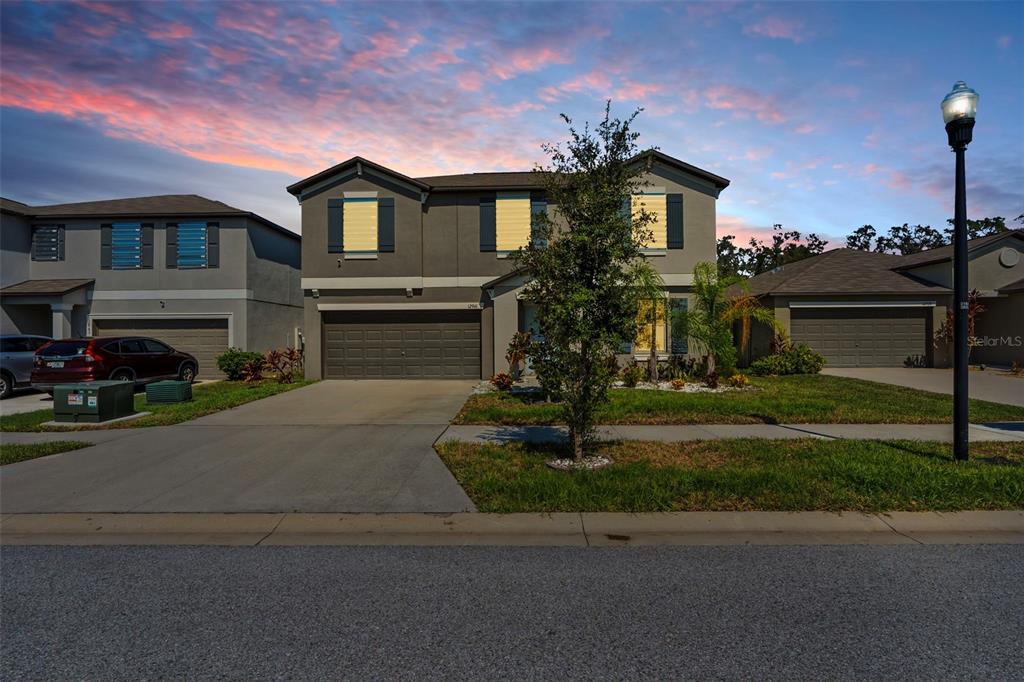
960	103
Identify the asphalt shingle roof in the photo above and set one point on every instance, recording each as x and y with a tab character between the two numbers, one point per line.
44	287
160	205
841	271
946	252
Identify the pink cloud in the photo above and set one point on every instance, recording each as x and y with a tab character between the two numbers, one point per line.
898	181
108	8
744	102
635	90
805	129
470	81
384	47
172	31
597	83
528	59
778	27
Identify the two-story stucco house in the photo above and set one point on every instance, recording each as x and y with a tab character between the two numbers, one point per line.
410	277
193	272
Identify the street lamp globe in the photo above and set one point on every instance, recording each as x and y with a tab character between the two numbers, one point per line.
960	103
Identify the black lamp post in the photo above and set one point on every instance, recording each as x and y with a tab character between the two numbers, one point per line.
958	110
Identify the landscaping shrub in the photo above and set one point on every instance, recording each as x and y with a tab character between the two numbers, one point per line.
738	381
711	379
502	381
633	375
252	371
678	384
285	362
233	361
799	359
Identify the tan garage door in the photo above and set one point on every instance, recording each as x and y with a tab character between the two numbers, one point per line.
203	338
864	337
441	344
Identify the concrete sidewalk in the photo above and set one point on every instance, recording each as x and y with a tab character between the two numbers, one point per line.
562	529
994	385
1006	432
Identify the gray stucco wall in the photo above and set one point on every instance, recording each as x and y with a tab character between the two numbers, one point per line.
985	272
256	286
1000	329
15	244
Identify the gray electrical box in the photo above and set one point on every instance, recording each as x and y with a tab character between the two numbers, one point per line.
93	402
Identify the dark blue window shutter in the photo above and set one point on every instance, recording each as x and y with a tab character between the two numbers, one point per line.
213	245
488	224
680	341
538	206
335	226
60	242
147	245
674	218
627	208
386	225
105	246
172	245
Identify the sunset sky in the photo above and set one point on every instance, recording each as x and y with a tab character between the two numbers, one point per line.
825	116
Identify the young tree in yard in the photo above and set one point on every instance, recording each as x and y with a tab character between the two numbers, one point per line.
708	322
587	270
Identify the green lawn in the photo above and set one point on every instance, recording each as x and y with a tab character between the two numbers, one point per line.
721	475
206	399
17	452
802	399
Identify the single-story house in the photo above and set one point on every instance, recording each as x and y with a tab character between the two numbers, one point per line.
867	309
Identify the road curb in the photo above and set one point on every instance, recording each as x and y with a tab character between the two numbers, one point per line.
559	529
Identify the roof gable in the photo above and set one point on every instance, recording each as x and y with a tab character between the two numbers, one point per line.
944	253
324	180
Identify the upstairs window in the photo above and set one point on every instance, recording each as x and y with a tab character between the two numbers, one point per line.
192	251
513	220
655	204
507	220
361	225
667	211
360	220
126	246
48	243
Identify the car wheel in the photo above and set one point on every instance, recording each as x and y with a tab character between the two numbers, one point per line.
6	385
122	375
187	373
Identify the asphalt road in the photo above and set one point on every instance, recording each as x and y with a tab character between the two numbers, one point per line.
848	612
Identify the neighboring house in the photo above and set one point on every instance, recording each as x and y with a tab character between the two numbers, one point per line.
866	309
193	272
410	277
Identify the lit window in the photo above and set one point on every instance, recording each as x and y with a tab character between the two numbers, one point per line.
513	220
360	235
655	204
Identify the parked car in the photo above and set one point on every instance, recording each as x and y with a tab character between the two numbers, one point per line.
16	352
123	358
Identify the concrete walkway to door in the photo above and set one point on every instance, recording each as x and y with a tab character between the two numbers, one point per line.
997	386
335	446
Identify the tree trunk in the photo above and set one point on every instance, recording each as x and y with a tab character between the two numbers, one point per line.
652	359
577	444
711	363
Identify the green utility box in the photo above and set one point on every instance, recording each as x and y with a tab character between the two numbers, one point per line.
94	401
169	392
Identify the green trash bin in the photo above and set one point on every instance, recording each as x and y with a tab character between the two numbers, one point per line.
93	402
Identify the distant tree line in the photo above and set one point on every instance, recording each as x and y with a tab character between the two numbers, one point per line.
788	246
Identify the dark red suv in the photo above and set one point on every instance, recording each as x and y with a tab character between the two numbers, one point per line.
123	358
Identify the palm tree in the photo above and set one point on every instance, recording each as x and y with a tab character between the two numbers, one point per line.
709	322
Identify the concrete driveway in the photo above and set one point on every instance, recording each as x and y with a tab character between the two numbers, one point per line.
335	446
994	385
25	400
